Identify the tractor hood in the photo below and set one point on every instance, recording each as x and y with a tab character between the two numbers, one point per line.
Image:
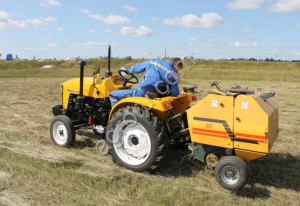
92	87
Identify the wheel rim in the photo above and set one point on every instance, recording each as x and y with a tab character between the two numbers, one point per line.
131	142
60	133
230	175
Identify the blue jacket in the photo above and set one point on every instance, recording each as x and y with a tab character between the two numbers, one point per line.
158	73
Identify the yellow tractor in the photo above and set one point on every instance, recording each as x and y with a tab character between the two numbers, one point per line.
222	130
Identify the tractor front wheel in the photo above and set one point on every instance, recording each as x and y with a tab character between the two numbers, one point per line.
62	131
136	138
232	173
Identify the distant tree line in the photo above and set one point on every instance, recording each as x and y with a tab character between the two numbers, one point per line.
267	60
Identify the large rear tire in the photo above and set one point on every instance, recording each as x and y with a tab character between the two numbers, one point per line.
136	138
62	131
232	173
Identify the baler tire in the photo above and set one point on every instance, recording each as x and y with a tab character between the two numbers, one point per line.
63	125
232	173
142	145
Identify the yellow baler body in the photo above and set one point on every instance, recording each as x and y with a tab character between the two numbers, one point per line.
247	124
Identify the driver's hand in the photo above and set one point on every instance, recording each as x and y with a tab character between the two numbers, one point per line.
128	70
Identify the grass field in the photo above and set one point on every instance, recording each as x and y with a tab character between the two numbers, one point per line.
35	172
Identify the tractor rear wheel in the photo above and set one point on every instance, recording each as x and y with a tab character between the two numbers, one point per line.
232	173
136	138
62	131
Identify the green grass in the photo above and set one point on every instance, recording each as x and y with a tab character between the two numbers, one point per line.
208	70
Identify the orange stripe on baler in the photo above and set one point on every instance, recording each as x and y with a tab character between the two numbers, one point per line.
198	131
206	134
211	131
257	138
250	135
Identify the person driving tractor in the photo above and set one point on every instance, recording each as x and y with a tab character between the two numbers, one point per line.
158	74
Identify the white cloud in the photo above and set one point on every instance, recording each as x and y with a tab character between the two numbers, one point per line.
285	6
108	30
90	43
154	19
193	39
92	31
164	33
191	44
4	16
246	4
96	16
207	20
245	31
60	29
8	24
48	19
296	54
298	25
170	43
52	45
36	22
139	32
112	19
129	8
237	44
85	11
49	3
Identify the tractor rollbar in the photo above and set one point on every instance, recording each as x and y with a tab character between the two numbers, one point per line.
108	72
79	99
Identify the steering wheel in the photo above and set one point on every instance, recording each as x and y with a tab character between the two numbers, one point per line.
125	80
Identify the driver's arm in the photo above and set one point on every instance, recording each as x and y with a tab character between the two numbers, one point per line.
138	68
174	90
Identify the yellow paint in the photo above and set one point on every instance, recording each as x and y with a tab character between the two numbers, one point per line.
249	117
104	86
210	108
156	105
258	118
248	155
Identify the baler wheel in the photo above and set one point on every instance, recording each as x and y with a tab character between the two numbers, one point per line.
232	173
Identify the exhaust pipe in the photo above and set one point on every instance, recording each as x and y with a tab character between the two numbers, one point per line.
108	72
79	99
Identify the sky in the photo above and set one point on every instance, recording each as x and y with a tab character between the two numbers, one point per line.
224	29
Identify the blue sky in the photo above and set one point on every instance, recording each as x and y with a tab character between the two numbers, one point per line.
145	29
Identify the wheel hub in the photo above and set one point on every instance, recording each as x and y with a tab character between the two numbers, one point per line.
60	133
135	142
131	142
230	175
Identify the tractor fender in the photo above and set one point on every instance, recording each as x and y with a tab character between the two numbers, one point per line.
158	106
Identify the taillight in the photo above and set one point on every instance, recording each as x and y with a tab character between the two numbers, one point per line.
194	98
168	105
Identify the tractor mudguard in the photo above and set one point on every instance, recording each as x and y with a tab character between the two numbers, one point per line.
158	106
